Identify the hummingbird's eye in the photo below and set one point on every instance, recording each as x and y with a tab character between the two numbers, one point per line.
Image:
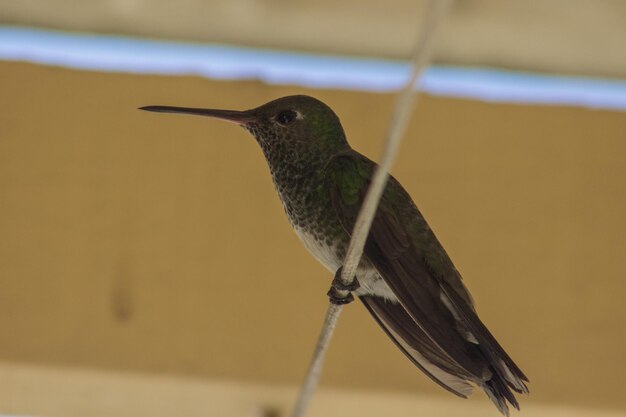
286	117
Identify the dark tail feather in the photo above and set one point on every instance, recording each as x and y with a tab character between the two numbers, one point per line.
500	361
437	365
505	374
498	391
417	346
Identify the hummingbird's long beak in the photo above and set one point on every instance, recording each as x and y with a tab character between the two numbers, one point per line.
239	117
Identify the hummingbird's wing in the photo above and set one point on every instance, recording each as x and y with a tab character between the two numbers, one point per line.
412	262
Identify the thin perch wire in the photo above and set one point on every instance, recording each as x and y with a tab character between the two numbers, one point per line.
405	101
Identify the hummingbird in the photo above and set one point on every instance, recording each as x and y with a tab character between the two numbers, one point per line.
405	278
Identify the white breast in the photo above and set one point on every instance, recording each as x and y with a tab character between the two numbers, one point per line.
371	282
324	253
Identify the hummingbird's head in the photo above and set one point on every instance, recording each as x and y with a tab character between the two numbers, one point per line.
299	123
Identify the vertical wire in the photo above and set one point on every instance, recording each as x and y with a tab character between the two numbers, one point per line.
435	11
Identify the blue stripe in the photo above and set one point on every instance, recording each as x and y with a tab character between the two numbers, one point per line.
131	55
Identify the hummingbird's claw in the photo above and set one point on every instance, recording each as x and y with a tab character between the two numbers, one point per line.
335	298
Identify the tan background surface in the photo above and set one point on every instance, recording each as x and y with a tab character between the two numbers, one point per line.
156	243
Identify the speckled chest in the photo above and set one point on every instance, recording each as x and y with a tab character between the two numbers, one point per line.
300	181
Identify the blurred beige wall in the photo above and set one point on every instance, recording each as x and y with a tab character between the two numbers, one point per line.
156	243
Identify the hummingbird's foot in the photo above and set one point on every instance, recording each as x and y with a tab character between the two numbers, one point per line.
338	285
335	298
